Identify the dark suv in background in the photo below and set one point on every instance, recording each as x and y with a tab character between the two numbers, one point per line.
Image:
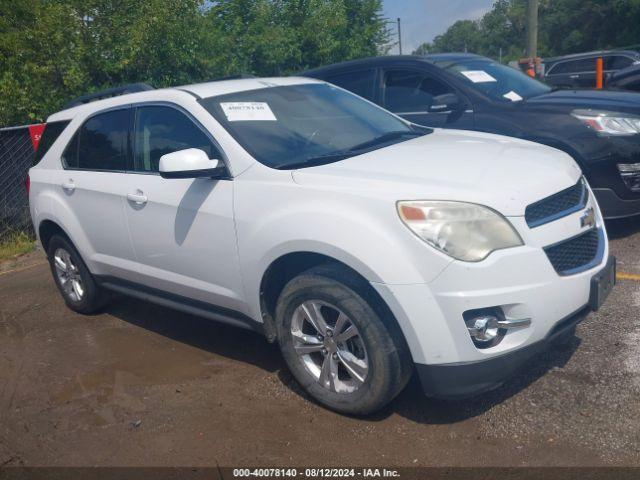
627	79
600	129
579	71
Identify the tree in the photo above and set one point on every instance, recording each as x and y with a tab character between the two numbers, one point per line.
566	26
462	36
424	49
54	50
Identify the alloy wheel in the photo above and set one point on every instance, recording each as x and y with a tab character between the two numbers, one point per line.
68	275
330	346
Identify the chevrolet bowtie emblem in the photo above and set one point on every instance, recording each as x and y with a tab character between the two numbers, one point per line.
589	218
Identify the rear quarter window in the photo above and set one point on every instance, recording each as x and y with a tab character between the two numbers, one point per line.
52	131
617	62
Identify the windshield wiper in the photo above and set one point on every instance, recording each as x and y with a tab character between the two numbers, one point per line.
342	154
386	137
314	161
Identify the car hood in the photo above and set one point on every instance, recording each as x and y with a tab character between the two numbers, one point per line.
503	173
589	99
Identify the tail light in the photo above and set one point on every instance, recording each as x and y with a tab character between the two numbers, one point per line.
27	184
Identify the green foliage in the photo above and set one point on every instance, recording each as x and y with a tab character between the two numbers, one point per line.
54	50
565	26
13	244
462	36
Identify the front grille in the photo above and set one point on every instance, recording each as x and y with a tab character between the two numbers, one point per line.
576	254
557	205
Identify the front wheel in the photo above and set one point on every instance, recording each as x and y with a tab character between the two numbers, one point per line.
336	344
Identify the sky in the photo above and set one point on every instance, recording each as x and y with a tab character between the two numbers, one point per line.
422	20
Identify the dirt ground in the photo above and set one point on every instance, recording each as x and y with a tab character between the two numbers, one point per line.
144	385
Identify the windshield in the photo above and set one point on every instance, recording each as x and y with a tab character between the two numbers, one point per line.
298	126
498	81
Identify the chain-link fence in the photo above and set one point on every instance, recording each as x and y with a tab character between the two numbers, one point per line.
16	157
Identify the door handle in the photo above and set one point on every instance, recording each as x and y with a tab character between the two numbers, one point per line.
574	76
138	198
69	186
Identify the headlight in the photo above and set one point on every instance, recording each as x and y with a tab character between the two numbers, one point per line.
464	231
609	123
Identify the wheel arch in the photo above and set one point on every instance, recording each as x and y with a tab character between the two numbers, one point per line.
288	266
47	229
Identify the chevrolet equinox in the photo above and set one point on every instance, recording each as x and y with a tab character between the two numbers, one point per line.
368	247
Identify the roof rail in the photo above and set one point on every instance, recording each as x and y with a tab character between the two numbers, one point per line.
110	92
233	77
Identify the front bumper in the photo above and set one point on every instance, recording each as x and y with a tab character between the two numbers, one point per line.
466	379
462	379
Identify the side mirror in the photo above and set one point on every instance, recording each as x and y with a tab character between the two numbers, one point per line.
445	102
190	163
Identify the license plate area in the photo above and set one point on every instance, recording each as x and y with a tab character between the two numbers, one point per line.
602	283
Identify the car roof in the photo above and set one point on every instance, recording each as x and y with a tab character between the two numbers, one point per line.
197	90
578	56
391	59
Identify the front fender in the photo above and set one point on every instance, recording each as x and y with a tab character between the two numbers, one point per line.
364	234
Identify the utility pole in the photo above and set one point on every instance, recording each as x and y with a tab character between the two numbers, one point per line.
399	37
532	29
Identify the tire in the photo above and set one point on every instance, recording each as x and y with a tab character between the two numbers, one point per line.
66	263
372	365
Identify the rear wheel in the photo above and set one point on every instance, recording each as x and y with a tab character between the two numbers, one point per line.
72	277
336	343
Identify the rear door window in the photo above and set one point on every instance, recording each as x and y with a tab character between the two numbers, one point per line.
359	82
70	155
102	143
408	91
584	65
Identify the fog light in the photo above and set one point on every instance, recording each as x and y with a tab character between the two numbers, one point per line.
630	173
483	329
488	326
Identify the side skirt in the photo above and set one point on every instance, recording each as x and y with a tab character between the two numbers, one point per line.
180	303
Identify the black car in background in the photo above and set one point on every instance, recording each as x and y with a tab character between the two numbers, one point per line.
627	79
579	70
600	129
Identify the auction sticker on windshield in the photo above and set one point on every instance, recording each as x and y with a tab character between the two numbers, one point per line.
513	96
247	111
478	76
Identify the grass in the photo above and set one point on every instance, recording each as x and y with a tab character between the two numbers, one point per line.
16	243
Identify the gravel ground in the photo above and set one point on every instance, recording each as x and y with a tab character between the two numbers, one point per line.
143	385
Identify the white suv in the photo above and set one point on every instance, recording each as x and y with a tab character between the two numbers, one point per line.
366	246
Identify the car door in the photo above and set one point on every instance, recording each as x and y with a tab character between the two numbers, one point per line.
92	189
410	93
557	75
573	73
182	230
585	76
